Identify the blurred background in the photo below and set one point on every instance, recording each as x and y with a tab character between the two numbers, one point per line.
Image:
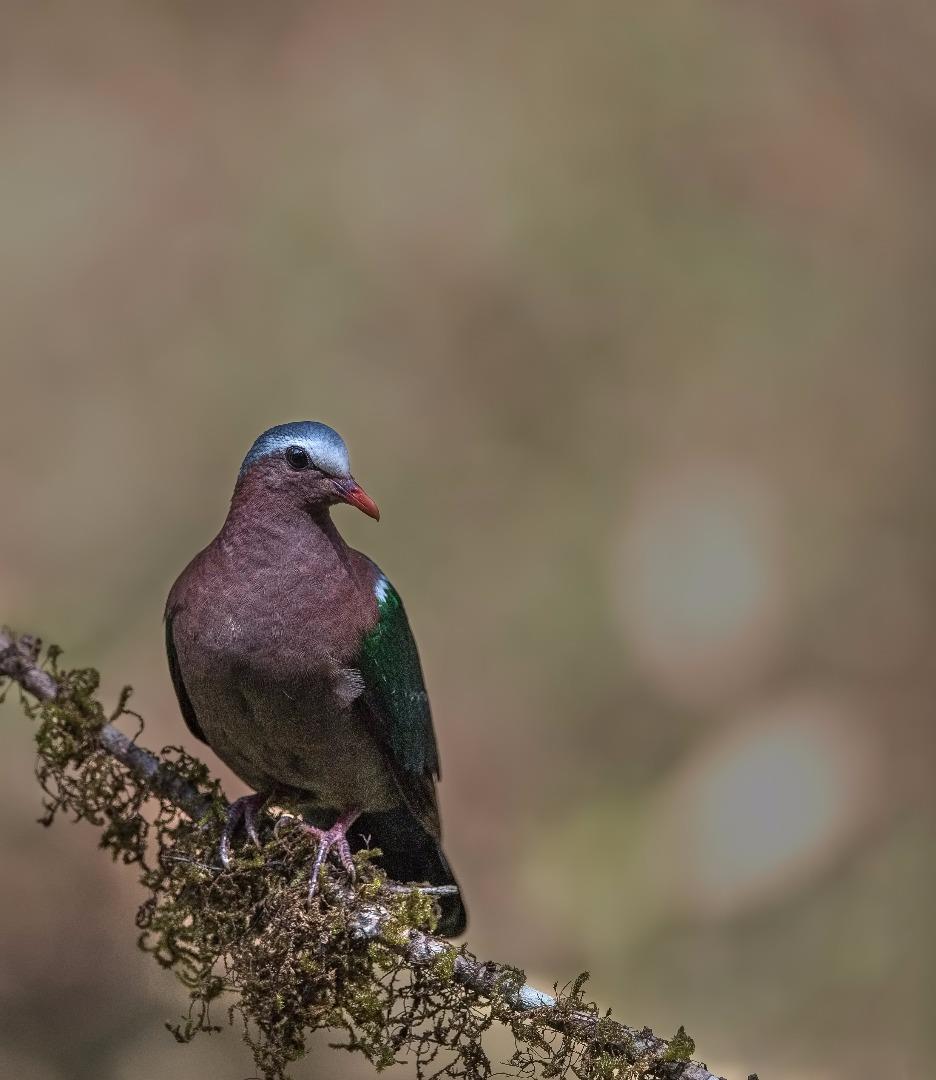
626	314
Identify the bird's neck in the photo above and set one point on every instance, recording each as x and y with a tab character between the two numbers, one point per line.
273	524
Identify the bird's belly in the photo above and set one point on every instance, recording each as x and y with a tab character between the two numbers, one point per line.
296	738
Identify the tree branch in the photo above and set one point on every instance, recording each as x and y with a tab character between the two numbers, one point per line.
19	661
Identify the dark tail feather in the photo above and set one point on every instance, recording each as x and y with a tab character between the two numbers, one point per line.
411	854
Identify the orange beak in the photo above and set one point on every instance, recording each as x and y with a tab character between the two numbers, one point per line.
352	493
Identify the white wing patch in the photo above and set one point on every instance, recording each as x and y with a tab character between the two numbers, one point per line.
350	686
381	589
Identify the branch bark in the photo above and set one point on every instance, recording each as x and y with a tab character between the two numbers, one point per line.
19	661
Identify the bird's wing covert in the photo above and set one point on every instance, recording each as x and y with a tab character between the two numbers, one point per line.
175	670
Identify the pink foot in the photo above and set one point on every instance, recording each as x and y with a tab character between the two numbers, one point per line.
333	839
243	809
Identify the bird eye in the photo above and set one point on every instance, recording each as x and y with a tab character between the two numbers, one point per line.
297	458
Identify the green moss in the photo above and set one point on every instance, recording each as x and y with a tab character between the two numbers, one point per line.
443	966
609	1067
681	1046
252	951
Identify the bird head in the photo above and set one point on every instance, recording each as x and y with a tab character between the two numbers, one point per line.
308	463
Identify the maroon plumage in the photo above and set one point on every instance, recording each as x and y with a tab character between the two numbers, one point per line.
291	656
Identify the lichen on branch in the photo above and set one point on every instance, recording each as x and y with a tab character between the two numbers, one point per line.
360	961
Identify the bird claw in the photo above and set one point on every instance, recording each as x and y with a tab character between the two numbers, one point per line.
333	839
244	809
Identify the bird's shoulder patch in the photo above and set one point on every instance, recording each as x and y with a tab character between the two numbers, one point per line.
383	590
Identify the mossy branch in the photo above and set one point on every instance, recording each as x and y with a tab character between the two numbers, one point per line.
363	960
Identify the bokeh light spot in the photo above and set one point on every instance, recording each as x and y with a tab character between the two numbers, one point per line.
699	580
768	804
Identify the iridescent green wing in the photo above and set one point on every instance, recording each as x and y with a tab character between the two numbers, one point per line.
395	694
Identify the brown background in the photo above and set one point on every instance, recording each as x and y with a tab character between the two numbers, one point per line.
626	312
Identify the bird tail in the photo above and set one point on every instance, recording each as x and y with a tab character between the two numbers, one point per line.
409	853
